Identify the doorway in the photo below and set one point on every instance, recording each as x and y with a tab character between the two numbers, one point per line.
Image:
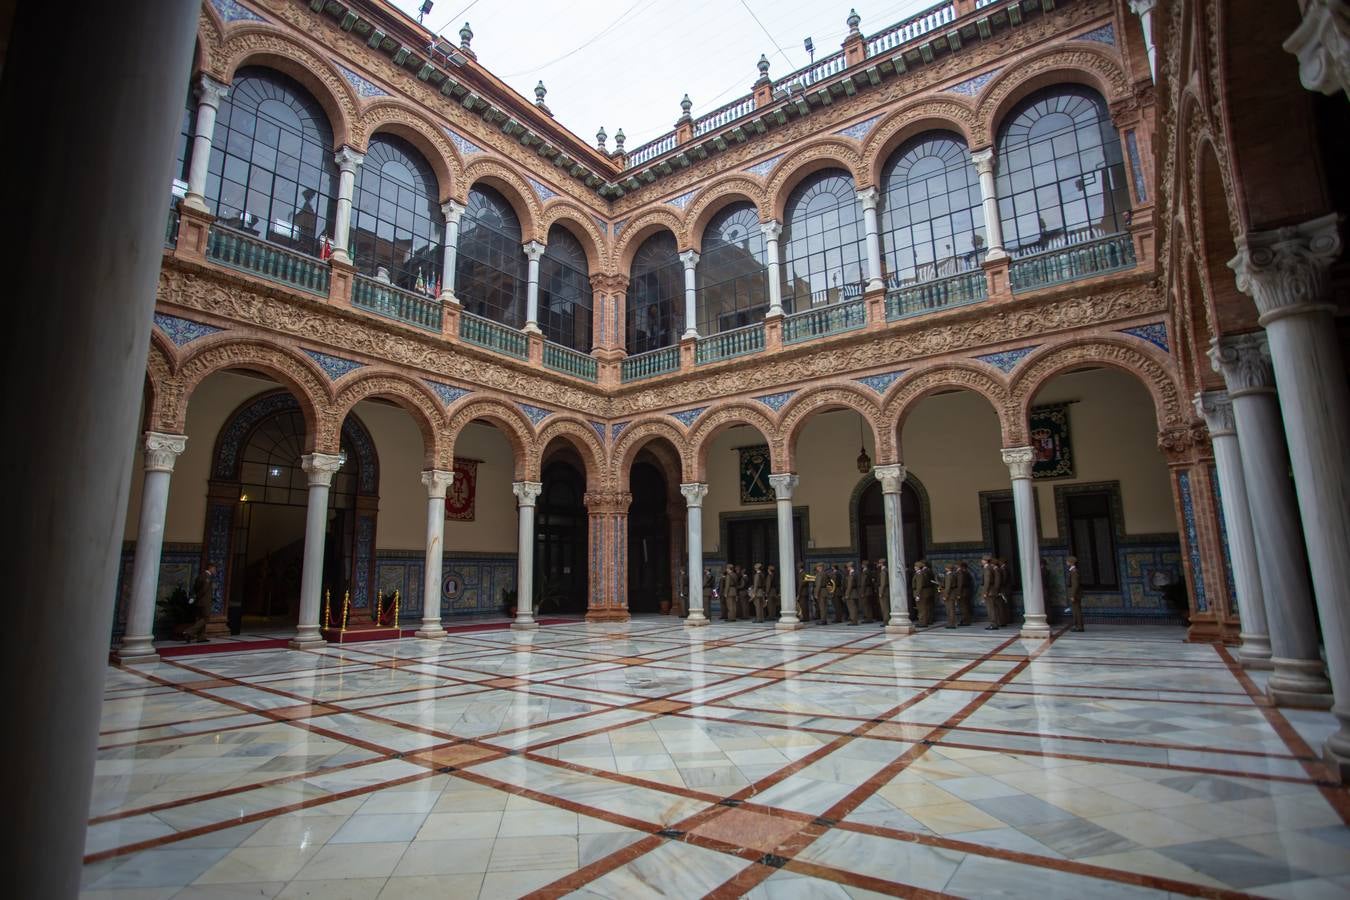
561	540
648	539
871	524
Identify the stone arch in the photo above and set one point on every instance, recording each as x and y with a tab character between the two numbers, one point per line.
394	117
901	399
409	394
813	400
159	381
505	416
582	227
1084	64
933	114
1128	356
636	436
266	45
827	153
643	227
210	35
719	419
495	173
716	197
295	372
582	438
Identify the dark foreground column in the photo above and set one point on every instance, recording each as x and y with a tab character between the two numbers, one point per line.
87	157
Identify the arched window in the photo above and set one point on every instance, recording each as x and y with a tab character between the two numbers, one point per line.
490	266
931	217
824	242
396	225
655	294
733	285
272	172
1061	177
565	291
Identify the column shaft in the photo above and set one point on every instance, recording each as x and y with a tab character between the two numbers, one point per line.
347	160
160	452
1018	460
452	212
320	467
533	251
993	225
869	197
526	493
784	485
437	481
209	93
690	260
774	265
693	496
891	478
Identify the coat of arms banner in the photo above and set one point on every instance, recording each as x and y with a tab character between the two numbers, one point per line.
459	497
754	469
1051	445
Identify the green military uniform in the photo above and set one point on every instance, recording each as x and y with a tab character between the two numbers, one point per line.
729	593
965	593
869	590
851	593
743	592
951	593
805	602
775	599
758	595
836	595
883	591
709	587
924	590
988	579
1075	592
822	590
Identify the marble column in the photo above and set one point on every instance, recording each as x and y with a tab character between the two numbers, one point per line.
693	500
891	478
347	161
1217	410
209	93
774	265
1019	461
527	492
1144	10
690	260
533	251
1285	272
452	211
784	485
993	225
320	467
868	197
1298	679
161	450
1322	44
437	481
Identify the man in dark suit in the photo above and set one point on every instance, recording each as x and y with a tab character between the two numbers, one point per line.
203	592
1075	592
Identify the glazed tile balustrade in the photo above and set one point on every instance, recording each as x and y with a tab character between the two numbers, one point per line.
728	344
824	320
491	335
915	26
719	117
249	254
651	149
650	364
569	361
930	296
396	303
1070	263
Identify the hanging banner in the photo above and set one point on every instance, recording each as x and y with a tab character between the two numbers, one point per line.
459	497
754	469
1050	441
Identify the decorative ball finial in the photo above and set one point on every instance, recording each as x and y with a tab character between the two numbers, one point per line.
853	21
600	138
686	104
539	92
618	140
465	36
763	66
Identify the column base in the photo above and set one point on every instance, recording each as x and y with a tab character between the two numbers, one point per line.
696	619
900	625
525	626
786	624
607	616
1299	682
532	328
430	632
196	203
1035	628
135	655
298	643
875	284
1254	653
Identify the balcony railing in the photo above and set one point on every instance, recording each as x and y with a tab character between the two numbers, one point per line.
651	149
719	117
249	254
930	296
569	361
396	303
819	322
915	26
824	68
650	364
1071	263
728	344
493	336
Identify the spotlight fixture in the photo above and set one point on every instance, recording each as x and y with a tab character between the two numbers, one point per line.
424	11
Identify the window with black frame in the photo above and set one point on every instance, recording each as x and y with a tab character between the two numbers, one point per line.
565	291
932	221
824	242
396	222
655	295
490	266
272	173
1061	175
733	284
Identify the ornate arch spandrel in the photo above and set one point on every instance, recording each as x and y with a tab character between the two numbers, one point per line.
810	401
1085	64
728	415
641	228
509	420
163	388
796	166
393	116
912	120
414	398
582	437
905	394
718	195
498	174
637	435
568	215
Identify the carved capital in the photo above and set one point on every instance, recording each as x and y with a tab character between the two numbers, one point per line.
1177	444
210	92
694	494
1322	44
868	197
1142	7
1285	269
891	477
1019	461
689	258
533	250
452	210
1244	362
983	160
783	485
348	159
771	230
321	467
162	450
526	492
602	503
437	480
1216	408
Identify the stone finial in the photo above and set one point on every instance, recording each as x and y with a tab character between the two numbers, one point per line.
763	66
600	138
618	140
853	21
539	92
685	105
465	36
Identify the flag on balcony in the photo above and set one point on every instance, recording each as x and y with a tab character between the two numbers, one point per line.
325	248
433	288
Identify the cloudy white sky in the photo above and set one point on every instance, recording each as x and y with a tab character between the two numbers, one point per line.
626	63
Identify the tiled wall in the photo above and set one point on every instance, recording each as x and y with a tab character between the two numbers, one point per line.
472	583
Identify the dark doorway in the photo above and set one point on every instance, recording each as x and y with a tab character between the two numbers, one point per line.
755	540
872	524
648	539
1091	539
1003	524
561	536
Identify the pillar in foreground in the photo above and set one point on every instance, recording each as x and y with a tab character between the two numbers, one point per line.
784	485
527	492
437	481
1019	462
320	467
891	478
161	451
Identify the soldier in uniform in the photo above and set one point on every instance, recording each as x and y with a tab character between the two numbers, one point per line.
775	599
883	591
925	587
821	591
743	592
988	591
805	603
965	592
850	592
709	589
729	593
836	578
1075	593
951	593
758	594
869	590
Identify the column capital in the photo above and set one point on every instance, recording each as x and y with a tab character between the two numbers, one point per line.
784	483
694	494
1142	7
1322	44
1244	362
437	481
1216	408
210	92
771	229
983	160
533	250
348	159
891	477
868	197
599	503
452	210
1019	461
1285	270
689	258
321	467
526	492
161	450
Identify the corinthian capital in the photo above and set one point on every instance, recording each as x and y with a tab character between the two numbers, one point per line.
162	450
1019	461
1285	269
320	467
1244	362
526	492
891	477
1322	44
694	493
437	481
783	485
210	92
1216	408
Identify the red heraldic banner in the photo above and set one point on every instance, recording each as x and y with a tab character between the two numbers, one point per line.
460	496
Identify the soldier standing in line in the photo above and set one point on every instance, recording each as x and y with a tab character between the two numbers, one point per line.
965	592
850	592
987	578
869	590
951	593
836	579
925	587
743	592
775	599
709	591
729	593
758	595
1075	593
883	591
821	591
805	604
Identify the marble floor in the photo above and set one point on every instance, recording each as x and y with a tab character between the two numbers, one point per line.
647	760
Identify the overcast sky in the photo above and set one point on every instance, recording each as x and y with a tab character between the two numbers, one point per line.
626	63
